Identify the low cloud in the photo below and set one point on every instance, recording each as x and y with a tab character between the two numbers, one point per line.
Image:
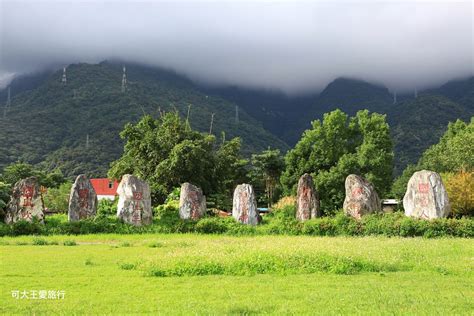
293	46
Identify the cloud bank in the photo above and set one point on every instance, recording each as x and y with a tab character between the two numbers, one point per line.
293	46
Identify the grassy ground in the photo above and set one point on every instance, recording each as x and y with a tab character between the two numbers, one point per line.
189	274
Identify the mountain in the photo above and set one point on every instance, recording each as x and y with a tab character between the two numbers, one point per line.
76	126
49	123
416	123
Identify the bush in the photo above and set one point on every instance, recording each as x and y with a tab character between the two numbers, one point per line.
26	228
284	202
279	223
213	225
69	243
107	207
460	187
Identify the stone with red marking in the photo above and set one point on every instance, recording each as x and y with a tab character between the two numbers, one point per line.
307	200
244	206
82	199
426	196
361	197
26	202
134	206
192	203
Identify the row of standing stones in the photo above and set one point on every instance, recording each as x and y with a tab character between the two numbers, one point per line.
425	198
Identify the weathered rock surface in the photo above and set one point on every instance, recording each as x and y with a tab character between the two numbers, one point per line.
82	199
361	197
426	196
134	206
244	206
26	202
307	201
192	203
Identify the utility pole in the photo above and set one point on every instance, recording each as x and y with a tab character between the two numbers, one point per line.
416	93
236	114
64	79
7	105
124	79
212	121
394	97
87	141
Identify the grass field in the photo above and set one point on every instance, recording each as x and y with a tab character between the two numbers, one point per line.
204	274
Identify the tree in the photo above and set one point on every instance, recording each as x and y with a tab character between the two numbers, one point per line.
267	168
454	151
57	199
338	146
166	152
17	171
452	154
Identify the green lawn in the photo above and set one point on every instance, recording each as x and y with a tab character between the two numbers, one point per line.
189	274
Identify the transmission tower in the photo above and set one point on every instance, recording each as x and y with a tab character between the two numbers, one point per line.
124	79
416	93
236	114
87	141
7	105
212	122
64	79
394	97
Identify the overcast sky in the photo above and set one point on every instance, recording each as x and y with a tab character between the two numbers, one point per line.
293	46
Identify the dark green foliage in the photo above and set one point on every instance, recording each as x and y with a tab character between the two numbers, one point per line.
416	124
107	207
395	224
265	172
49	124
453	152
18	171
166	152
337	147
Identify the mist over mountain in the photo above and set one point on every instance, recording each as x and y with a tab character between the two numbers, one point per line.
49	123
295	47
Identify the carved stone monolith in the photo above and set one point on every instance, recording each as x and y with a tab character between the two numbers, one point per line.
192	203
82	199
426	196
26	202
361	197
134	206
307	200
244	206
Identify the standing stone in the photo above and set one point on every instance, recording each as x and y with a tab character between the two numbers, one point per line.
244	206
426	196
361	197
307	202
134	205
192	203
26	202
82	199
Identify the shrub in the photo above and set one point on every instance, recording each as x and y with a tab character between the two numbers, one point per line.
40	241
26	228
460	187
107	207
285	201
212	225
70	242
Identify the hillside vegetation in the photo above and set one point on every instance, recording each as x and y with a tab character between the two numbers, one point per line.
50	123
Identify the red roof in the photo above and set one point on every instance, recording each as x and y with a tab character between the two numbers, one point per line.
104	186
